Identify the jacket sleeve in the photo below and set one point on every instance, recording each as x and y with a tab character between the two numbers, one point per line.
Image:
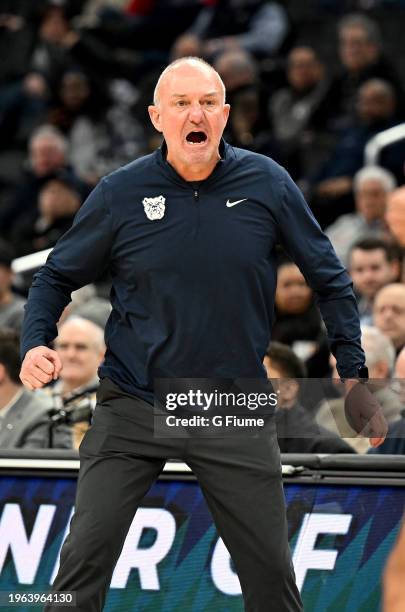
307	245
78	258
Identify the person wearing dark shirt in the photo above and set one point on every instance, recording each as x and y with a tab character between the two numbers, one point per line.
188	234
362	58
297	432
377	107
298	323
395	441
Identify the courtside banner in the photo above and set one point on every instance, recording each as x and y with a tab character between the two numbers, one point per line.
173	560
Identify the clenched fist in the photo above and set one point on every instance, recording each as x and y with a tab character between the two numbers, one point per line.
41	365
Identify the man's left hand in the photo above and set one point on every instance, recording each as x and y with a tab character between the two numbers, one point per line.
363	412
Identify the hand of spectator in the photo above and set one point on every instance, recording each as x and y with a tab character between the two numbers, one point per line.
364	413
41	365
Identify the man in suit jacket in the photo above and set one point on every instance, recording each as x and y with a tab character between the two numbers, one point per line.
20	410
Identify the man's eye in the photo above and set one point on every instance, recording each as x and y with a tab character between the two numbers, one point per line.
181	103
210	103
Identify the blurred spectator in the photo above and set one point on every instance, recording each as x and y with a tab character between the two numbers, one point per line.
48	56
371	267
380	360
395	441
371	186
11	305
20	409
296	431
48	155
80	345
26	85
389	313
258	26
361	55
23	107
237	69
32	59
297	320
376	111
148	27
395	216
299	108
59	200
102	136
248	125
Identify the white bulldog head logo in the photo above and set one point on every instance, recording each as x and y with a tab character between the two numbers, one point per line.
154	207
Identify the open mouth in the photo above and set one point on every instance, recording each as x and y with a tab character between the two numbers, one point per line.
196	137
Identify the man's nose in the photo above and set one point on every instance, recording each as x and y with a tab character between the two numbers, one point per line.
196	113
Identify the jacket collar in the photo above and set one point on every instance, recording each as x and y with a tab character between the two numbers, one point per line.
224	151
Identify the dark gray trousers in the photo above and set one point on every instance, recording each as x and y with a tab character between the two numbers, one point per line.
240	479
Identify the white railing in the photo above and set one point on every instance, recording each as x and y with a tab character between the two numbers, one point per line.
380	141
30	262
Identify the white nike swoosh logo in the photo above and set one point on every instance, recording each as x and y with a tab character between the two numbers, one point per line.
229	204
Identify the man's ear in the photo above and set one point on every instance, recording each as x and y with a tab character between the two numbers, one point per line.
227	109
3	373
154	115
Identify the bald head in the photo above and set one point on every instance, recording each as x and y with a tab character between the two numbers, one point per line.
236	68
389	313
80	345
395	214
186	64
87	329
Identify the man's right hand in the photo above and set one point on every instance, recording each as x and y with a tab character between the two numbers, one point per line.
41	365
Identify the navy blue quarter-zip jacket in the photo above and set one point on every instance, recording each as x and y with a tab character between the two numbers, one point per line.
193	270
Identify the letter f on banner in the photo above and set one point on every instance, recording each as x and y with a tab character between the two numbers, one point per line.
306	556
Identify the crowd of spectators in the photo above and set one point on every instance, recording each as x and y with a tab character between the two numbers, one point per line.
75	81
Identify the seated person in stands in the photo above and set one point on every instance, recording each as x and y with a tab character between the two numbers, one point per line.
80	345
395	441
259	27
297	320
20	410
362	58
389	313
299	110
371	187
297	431
395	218
59	200
380	360
48	155
372	264
11	305
248	125
332	186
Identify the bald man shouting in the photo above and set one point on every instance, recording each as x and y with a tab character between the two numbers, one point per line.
188	234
